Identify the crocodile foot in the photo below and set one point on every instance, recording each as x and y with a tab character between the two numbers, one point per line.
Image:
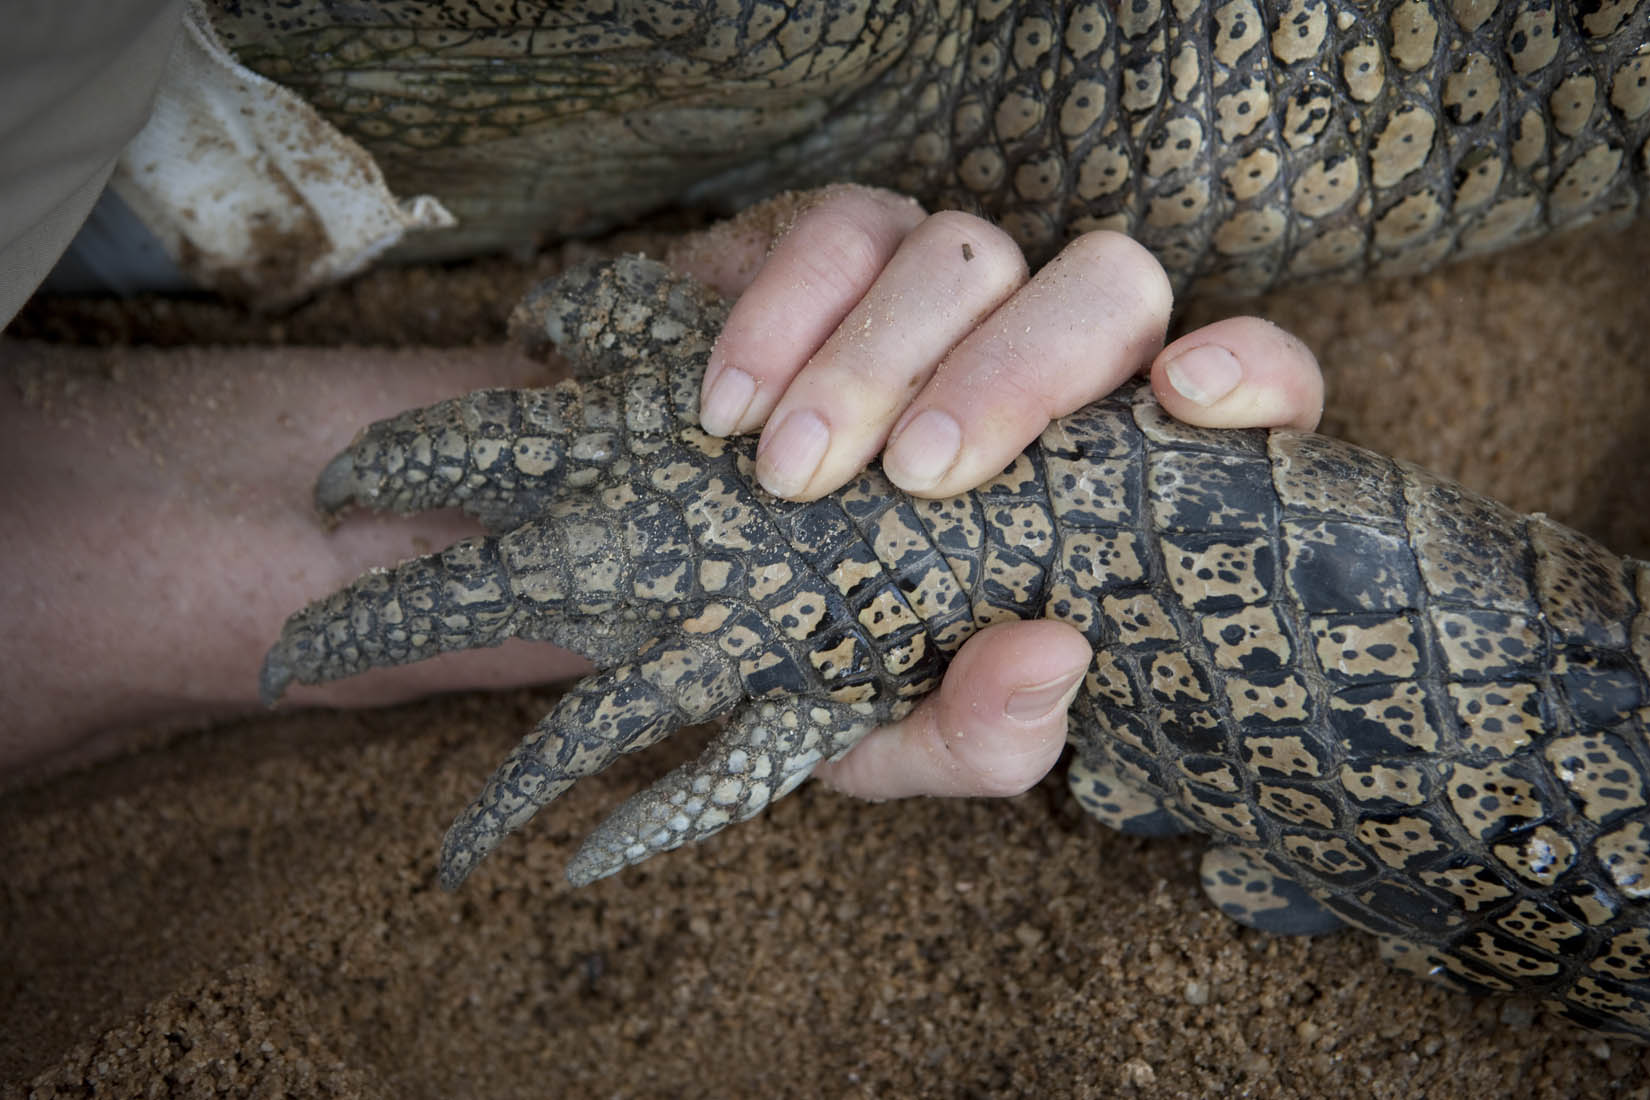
622	532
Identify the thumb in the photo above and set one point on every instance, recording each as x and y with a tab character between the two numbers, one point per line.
994	728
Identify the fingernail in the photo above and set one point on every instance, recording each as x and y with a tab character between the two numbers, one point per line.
1204	374
789	454
924	450
1036	701
722	406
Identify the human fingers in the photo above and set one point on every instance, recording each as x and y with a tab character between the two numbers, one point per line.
946	276
994	728
1242	372
824	261
1093	316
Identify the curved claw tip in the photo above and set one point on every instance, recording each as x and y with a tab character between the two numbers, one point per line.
458	859
586	867
335	488
274	678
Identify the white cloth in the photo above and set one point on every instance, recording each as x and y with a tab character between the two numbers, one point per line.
250	190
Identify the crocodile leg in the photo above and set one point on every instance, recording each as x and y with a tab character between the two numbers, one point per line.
1389	702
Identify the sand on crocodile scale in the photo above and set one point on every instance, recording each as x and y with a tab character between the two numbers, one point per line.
251	910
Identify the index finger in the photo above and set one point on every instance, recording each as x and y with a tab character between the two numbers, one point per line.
814	276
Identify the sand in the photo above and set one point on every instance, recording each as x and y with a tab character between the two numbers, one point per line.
251	911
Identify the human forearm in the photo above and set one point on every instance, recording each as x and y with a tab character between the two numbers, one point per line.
159	528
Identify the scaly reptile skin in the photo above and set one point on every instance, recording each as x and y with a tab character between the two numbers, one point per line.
1390	701
1248	143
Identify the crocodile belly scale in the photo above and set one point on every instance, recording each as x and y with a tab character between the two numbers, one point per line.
1247	143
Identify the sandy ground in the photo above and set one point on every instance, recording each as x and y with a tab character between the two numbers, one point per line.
250	911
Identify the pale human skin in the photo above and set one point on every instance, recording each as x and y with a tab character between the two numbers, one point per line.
158	528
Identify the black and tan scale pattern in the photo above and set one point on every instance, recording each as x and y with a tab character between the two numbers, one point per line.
1248	143
1391	702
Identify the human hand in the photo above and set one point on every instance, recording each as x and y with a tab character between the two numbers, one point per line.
872	327
89	663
